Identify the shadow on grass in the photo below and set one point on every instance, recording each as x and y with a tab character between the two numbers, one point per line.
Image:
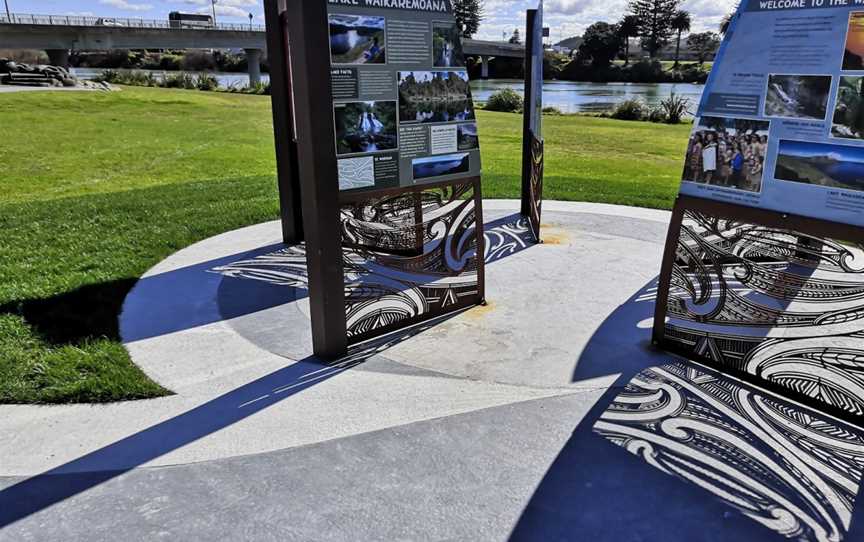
70	318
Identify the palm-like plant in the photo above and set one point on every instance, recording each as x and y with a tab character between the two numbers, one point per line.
628	28
680	23
727	20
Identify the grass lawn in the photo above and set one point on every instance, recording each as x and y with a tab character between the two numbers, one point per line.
99	187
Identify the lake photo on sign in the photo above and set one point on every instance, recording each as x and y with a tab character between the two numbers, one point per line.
836	166
434	96
437	166
357	39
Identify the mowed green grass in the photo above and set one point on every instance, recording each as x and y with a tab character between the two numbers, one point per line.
96	188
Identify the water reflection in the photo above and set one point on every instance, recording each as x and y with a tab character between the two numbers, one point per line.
781	465
585	97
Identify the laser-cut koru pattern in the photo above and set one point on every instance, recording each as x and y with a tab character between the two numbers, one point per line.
782	465
535	185
413	256
782	306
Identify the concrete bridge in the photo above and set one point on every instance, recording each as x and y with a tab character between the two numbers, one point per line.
57	34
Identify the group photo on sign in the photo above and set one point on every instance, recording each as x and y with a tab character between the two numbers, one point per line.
432	270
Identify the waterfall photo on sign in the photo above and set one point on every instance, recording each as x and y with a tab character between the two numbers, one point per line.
365	127
357	39
446	46
797	96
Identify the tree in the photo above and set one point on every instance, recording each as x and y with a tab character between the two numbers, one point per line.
601	43
469	14
727	20
655	18
703	45
628	28
515	38
680	23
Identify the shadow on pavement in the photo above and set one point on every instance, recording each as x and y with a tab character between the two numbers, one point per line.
39	492
678	452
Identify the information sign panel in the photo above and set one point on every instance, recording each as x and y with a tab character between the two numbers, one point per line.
402	103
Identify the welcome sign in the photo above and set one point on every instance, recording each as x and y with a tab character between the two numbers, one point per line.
781	122
402	105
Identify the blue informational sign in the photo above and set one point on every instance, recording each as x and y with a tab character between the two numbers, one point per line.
781	123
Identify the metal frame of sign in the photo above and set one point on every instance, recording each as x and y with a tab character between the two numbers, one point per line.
532	143
722	341
312	205
745	215
288	176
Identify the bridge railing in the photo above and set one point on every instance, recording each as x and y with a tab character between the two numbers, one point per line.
119	22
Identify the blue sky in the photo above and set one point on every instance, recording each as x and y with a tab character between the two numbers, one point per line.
842	153
565	17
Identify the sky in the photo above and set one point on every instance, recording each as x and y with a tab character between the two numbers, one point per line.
566	18
842	153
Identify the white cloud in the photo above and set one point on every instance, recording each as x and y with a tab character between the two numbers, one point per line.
126	5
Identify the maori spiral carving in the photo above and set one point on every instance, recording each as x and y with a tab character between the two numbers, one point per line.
413	256
784	466
777	305
535	185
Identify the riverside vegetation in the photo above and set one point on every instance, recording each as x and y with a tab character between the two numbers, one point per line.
149	171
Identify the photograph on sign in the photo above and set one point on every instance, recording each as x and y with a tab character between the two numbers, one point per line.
446	46
356	39
727	152
363	127
439	166
400	88
853	56
835	166
797	96
467	136
848	122
435	96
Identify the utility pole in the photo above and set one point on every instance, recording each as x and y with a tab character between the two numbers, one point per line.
213	5
8	13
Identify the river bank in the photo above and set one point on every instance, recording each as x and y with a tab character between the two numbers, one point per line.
566	96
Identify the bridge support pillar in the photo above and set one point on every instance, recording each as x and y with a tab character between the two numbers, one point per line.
484	71
253	61
58	57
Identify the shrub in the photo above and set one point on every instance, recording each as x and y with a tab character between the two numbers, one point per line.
198	61
656	114
206	81
647	71
675	108
554	111
629	110
180	80
507	100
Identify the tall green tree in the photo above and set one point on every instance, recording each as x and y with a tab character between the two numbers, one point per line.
469	14
655	22
680	23
628	28
601	43
703	45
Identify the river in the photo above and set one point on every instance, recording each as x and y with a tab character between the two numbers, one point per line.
567	96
